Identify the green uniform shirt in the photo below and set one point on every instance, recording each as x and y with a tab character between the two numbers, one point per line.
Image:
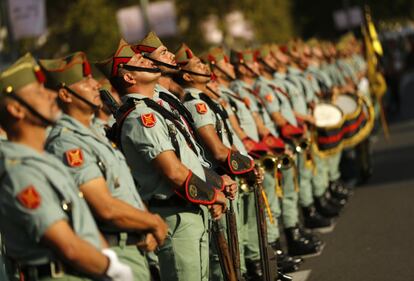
320	75
203	115
158	89
298	101
305	87
242	113
29	205
99	159
275	102
334	74
253	103
144	136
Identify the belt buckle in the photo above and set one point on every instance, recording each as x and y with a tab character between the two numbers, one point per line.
56	270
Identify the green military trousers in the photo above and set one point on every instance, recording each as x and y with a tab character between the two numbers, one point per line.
269	185
305	181
290	198
333	166
185	253
131	256
327	169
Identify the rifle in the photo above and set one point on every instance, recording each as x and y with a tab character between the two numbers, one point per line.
233	240
225	259
267	256
109	101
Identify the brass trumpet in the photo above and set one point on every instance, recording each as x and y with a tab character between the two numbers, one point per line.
272	162
301	144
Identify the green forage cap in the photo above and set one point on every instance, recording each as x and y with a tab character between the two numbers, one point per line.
24	71
313	42
244	56
67	70
183	55
216	54
100	77
109	66
264	51
149	44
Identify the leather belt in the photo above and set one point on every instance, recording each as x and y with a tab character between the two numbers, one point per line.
114	239
53	269
173	201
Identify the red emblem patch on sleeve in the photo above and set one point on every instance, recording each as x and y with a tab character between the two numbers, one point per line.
29	197
148	120
201	108
74	157
269	97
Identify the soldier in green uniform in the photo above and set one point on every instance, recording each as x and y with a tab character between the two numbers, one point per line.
46	225
299	241
211	123
320	179
244	128
99	169
327	182
165	163
276	80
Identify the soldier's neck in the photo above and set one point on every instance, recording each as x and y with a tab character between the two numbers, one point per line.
201	87
165	82
85	118
267	75
31	136
100	114
224	82
171	86
282	69
248	80
147	89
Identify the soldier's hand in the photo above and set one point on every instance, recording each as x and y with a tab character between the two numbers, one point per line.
221	200
216	211
230	187
160	230
149	244
117	271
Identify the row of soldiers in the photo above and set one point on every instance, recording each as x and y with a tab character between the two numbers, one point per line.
147	164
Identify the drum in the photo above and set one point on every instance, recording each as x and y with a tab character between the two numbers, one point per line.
354	115
329	121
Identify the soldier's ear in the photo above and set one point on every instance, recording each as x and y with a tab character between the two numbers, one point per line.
64	95
129	78
187	77
15	109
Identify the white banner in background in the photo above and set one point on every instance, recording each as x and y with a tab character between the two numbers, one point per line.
27	18
131	23
346	19
161	17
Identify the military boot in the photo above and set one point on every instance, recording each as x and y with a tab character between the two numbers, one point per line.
285	263
325	208
254	270
312	219
310	236
339	190
299	245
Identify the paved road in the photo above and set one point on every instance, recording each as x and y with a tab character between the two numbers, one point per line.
373	240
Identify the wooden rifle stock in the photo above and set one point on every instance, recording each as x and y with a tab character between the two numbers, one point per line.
226	261
233	239
267	256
